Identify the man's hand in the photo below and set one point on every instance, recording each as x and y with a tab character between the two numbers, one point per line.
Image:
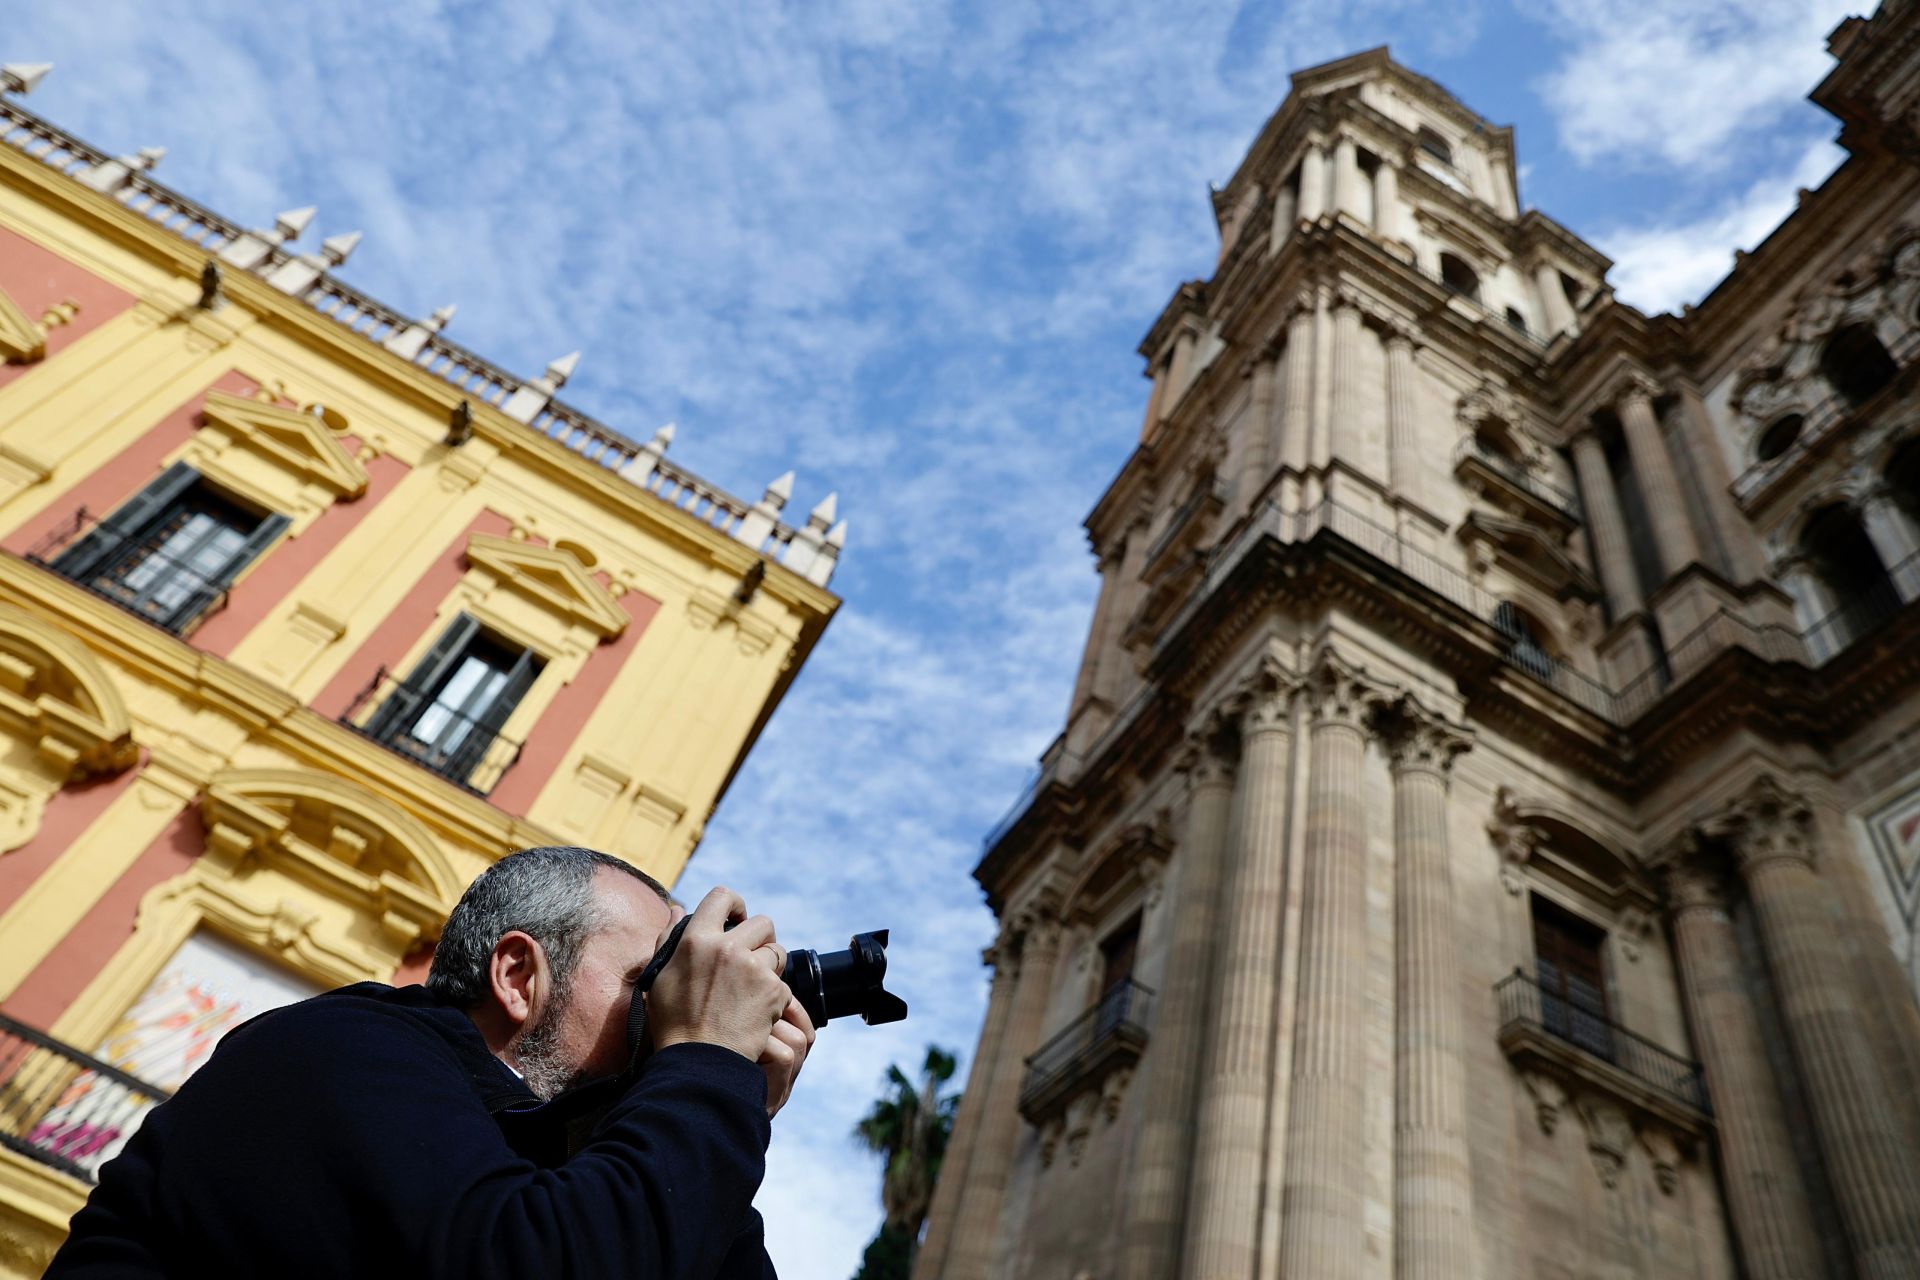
785	1054
723	985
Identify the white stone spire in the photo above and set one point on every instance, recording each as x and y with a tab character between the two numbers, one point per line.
806	553
829	558
297	275
640	470
525	404
254	247
757	525
111	176
22	77
407	343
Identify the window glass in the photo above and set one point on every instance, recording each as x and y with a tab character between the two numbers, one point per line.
1573	993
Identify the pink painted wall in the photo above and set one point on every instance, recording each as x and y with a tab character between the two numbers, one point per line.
37	278
128	471
389	642
554	734
415	967
78	958
70	811
293	559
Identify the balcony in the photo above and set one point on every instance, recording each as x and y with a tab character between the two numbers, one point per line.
1110	1035
411	721
172	594
1509	484
65	1109
1541	1030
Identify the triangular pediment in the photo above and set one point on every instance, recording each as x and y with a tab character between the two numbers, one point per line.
21	340
550	577
1531	552
296	440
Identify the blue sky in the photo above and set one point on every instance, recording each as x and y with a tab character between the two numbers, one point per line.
908	250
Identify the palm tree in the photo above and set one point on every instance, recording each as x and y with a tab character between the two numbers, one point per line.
907	1128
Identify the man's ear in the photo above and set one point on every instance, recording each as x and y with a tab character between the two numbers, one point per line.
518	976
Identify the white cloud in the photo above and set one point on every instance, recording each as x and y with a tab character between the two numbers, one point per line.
1660	265
1651	83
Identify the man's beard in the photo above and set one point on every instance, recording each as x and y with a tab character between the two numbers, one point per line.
538	1056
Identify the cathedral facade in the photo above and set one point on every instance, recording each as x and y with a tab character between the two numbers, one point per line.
1485	837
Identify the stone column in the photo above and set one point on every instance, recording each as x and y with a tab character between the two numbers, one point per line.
1313	182
932	1256
1090	657
1894	537
1113	670
1403	441
1432	1174
1179	370
1765	1195
1157	1187
1319	421
1346	177
1321	1232
1605	526
1870	1168
1297	410
1553	296
1344	411
1386	202
1653	467
1259	432
1230	1146
1286	214
976	1226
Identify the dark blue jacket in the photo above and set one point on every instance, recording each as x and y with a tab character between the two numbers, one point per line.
354	1134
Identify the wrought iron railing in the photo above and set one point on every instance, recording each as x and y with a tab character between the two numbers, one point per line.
1118	1021
1524	1003
1863	613
1517	474
165	590
467	750
63	1108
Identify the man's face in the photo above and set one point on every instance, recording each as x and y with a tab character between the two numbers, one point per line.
584	1036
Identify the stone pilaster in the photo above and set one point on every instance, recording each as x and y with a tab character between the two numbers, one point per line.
1319	428
1091	657
1386	204
1553	296
932	1257
1346	399
1346	177
1112	672
1432	1173
1765	1195
1313	182
1895	537
1297	390
1653	467
1770	832
1261	429
1157	1186
1230	1145
976	1226
1605	526
1403	440
1321	1232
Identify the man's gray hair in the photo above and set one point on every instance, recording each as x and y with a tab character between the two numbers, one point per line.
546	893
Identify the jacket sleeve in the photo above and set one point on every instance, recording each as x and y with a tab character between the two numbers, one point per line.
747	1259
660	1193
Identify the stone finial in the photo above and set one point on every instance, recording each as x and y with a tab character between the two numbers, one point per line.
111	176
757	525
23	77
804	553
525	404
252	248
337	249
299	274
645	462
407	343
829	558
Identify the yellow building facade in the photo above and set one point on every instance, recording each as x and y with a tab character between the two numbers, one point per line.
306	616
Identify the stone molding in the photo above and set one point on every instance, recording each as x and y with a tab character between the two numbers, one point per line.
1417	740
1338	691
1766	823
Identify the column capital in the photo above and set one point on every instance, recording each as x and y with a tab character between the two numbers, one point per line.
1765	824
1418	741
1340	692
1203	762
1689	884
1398	333
1632	386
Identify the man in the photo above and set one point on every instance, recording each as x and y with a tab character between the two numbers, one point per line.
360	1133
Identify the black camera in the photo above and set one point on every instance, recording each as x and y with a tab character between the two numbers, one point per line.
840	984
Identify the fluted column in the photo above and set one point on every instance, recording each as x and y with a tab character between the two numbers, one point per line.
932	1256
977	1224
1895	538
1659	484
1297	397
1230	1146
1319	420
1553	295
1313	182
1321	1232
1403	440
1432	1175
1157	1187
1346	177
1605	526
1260	429
1386	202
1765	1194
1871	1170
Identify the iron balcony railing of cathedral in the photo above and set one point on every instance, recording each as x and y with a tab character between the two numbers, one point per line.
410	720
474	376
63	1108
1115	1028
1525	1004
172	593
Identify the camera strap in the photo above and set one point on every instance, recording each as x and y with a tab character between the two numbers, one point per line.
637	1012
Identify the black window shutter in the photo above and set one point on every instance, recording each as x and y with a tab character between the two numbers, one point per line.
122	529
206	593
474	749
417	690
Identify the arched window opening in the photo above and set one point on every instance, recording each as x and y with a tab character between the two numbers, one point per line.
1526	645
1458	276
1495	438
1903	477
1856	364
1515	320
1778	437
1845	559
1434	145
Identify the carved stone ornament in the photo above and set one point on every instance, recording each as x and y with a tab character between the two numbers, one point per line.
1339	691
1549	1099
1417	739
1609	1137
1513	839
1631	385
1050	1135
1112	1090
1765	824
1665	1155
1492	402
1635	930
